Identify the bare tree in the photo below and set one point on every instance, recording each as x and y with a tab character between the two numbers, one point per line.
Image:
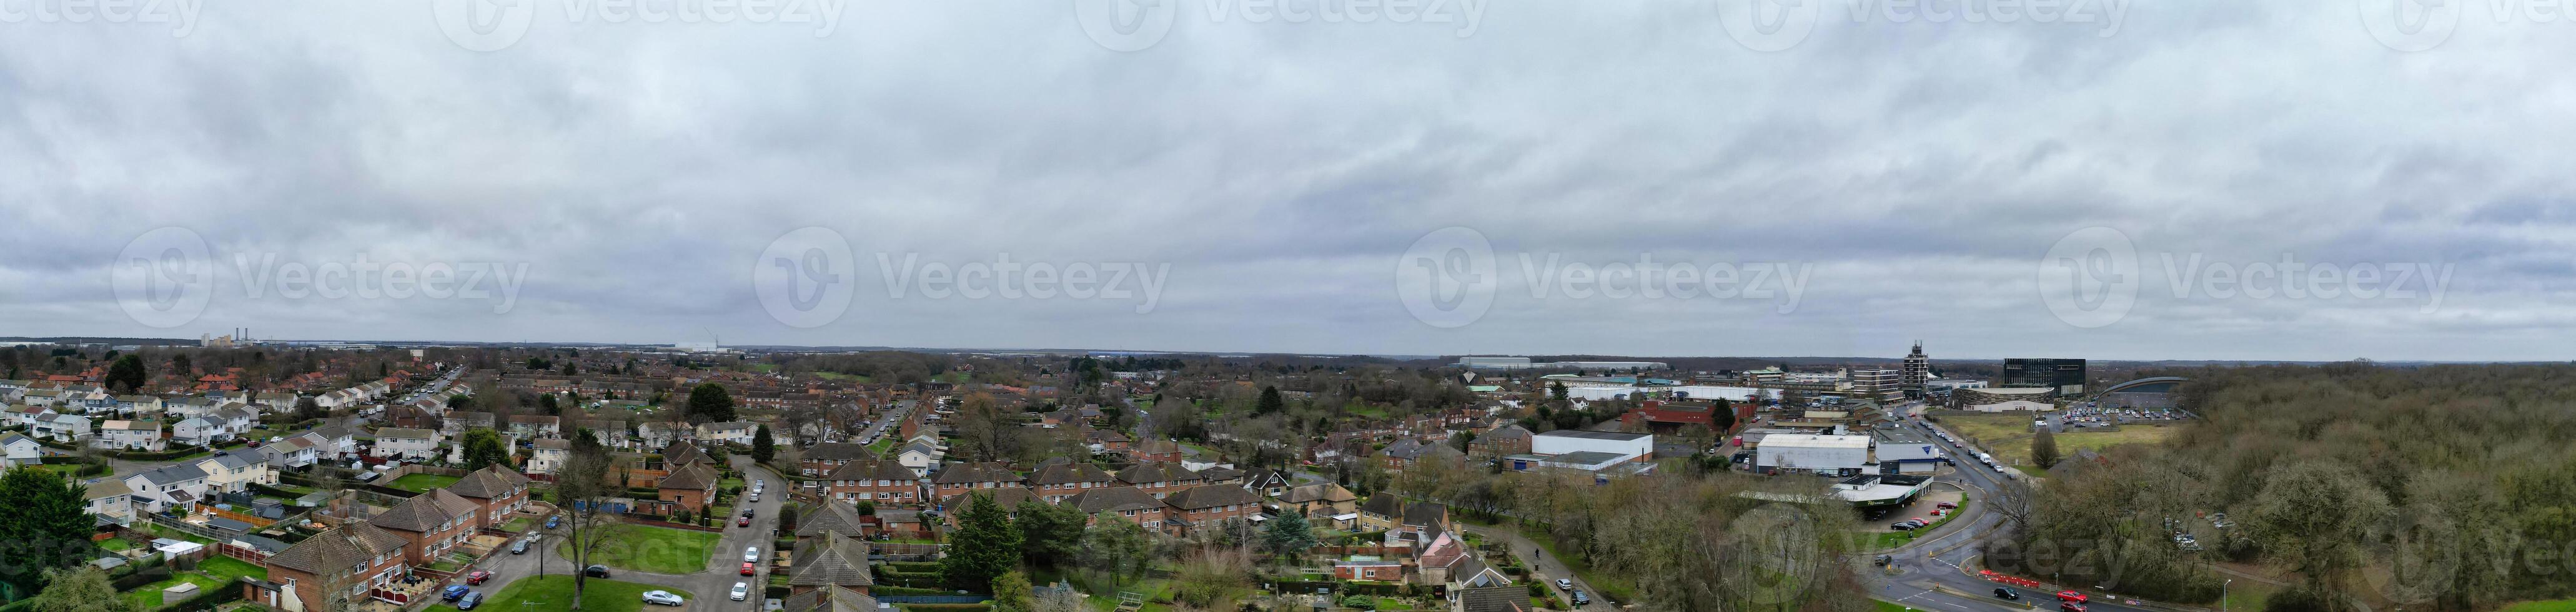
581	487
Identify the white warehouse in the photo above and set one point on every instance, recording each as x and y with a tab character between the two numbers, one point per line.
1631	447
1810	452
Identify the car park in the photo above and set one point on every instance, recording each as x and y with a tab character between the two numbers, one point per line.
664	598
741	591
454	592
470	601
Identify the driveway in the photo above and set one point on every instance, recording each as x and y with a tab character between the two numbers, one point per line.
1547	566
708	588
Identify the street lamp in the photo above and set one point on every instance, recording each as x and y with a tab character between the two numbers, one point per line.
2222	594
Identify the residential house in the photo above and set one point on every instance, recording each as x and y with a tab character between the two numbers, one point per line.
359	558
47	398
536	426
1156	451
110	500
683	453
958	478
274	401
1369	568
884	482
24	415
919	456
200	431
1268	482
691	486
728	432
1320	499
1500	442
831	561
662	433
11	389
1008	498
129	435
1159	479
160	488
459	422
497	492
236	418
836	516
1205	506
1058	481
549	455
18	449
831	599
431	524
190	407
334	440
293	452
61	428
1382	512
144	406
1424	522
234	472
406	443
822	458
1121	501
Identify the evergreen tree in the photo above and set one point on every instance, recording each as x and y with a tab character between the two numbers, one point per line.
763	447
2043	449
1289	536
709	403
49	525
1270	403
984	546
1050	535
126	375
483	448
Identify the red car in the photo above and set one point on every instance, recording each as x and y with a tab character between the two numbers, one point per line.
2069	606
477	577
746	569
1946	505
744	522
2072	596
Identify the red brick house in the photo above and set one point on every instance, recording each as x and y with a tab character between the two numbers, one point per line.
883	482
361	560
1159	479
431	523
961	478
1058	481
496	491
1124	502
691	486
1205	506
823	458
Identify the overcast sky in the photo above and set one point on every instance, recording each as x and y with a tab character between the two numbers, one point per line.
641	181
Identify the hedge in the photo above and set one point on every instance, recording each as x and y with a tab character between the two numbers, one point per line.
913	566
981	607
896	590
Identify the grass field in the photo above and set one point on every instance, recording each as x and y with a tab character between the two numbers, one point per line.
2007	435
2563	605
2251	595
149	596
422	483
115	544
659	550
555	593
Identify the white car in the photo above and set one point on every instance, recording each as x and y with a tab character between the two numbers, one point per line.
751	555
740	591
664	598
755	496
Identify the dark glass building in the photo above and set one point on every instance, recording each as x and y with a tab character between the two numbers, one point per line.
2064	375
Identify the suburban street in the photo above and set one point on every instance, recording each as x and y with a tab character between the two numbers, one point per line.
1547	566
707	589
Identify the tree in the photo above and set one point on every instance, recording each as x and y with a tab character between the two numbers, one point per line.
984	546
127	374
81	590
179	364
460	402
2043	449
1117	546
1050	535
763	447
483	448
1289	536
1270	403
552	407
49	524
581	488
1013	593
709	403
307	409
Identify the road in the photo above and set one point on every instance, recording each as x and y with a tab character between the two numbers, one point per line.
887	419
1944	557
708	588
1546	565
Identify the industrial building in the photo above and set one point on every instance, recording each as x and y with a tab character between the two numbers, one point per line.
1841	455
1627	446
1904	451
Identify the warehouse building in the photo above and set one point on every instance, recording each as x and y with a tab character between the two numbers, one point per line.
1627	446
1824	454
1903	451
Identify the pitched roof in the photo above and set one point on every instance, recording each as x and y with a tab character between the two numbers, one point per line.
1425	514
835	516
838	451
695	476
338	550
1319	492
681	452
832	560
1211	496
1112	499
1158	471
1006	497
108	488
404	433
488	483
1495	599
423	513
1383	504
872	470
1067	473
831	599
963	473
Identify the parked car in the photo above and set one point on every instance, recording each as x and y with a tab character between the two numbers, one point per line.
520	548
1582	600
751	555
2073	596
1885	560
748	569
2007	594
1946	505
741	590
470	601
595	571
2069	606
453	592
1564	585
477	578
554	521
742	522
755	496
663	598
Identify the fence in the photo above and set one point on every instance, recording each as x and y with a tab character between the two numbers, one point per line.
246	518
933	599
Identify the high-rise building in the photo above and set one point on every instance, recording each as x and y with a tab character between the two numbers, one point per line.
1918	370
2066	376
1876	385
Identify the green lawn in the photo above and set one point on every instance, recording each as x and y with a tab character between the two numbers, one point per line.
1889	607
2254	595
2563	605
149	596
116	544
227	568
518	525
660	550
555	593
175	534
422	483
